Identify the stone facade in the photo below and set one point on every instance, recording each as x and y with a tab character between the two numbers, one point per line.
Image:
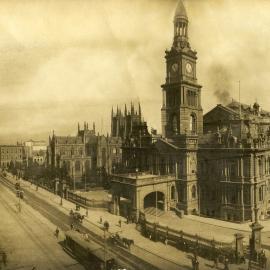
69	153
134	192
234	162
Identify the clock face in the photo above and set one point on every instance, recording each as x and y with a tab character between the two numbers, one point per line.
174	67
188	68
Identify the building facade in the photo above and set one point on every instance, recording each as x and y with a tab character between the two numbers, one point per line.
69	153
35	151
12	154
85	158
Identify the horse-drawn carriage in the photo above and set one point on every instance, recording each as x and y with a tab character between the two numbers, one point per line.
76	216
121	241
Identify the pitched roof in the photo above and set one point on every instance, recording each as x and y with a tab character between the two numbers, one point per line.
68	140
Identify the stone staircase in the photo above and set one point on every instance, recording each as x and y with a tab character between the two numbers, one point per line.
153	211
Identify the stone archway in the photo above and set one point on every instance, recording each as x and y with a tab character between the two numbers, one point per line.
154	199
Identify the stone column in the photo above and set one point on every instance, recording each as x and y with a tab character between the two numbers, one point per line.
239	248
242	203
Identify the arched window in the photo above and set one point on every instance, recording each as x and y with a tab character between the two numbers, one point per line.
77	165
260	167
192	123
174	124
193	192
261	194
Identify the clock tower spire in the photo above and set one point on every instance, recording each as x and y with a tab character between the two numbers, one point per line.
180	26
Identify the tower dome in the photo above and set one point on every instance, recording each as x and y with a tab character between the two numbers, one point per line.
180	27
180	12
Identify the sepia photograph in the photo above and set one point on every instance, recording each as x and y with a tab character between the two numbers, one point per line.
135	134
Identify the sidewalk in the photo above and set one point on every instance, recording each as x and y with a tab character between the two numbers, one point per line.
245	227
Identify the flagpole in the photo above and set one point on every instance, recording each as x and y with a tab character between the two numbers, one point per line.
240	112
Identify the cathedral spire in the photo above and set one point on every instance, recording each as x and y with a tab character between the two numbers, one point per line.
132	108
180	26
140	111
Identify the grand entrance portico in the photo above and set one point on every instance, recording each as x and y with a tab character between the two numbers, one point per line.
135	192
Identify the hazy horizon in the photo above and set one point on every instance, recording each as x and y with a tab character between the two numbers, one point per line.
66	61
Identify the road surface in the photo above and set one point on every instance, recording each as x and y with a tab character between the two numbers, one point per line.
28	238
61	220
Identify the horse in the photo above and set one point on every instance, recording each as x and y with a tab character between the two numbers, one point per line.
127	242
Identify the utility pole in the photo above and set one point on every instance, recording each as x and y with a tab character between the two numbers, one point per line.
240	112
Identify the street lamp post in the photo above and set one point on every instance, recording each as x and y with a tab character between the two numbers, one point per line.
84	179
73	176
19	196
105	228
156	205
105	263
61	192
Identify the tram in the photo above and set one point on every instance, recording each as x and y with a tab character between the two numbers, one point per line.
90	254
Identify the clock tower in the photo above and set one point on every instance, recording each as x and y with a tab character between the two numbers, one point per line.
181	111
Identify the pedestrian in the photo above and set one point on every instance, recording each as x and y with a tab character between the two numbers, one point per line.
71	226
166	241
226	264
57	232
120	223
4	258
196	264
215	262
193	263
100	220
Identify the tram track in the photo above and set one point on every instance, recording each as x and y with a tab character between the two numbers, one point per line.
29	231
62	220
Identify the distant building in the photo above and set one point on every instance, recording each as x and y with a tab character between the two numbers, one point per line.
32	147
69	154
35	151
127	128
39	158
11	153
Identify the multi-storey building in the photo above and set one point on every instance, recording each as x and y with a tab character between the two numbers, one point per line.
70	154
220	162
234	162
11	153
86	157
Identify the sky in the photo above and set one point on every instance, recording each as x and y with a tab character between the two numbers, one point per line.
69	61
